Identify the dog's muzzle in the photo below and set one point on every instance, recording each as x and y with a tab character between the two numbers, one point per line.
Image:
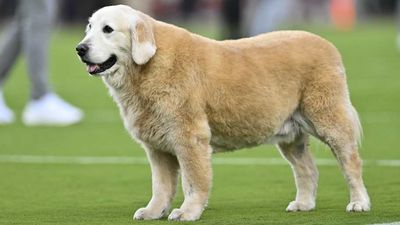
94	68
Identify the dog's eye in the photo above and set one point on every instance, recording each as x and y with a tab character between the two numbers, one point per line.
88	27
107	29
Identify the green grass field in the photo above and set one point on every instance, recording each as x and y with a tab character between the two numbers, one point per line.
69	193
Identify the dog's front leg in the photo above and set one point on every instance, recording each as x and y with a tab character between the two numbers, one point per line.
164	168
195	163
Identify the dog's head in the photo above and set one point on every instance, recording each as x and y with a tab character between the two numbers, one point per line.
116	36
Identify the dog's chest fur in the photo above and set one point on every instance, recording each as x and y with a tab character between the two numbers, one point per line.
148	122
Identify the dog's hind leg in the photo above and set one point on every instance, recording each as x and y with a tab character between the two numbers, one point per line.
340	132
304	170
164	168
328	107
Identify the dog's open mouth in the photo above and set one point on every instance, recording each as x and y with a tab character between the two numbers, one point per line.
93	68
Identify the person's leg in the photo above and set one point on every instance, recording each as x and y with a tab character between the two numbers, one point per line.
37	17
187	8
45	108
269	15
231	15
10	48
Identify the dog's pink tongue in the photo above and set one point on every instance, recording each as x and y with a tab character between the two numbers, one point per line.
92	68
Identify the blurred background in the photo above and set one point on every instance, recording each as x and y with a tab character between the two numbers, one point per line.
93	173
235	18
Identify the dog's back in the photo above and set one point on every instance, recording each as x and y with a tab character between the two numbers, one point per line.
254	85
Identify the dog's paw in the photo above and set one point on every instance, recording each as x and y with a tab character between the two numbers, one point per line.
180	215
147	214
295	206
358	206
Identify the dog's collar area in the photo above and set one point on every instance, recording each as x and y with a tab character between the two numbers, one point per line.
93	68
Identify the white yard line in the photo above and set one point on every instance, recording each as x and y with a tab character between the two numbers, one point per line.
393	223
37	159
88	160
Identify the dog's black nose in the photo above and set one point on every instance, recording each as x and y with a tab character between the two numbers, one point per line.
82	49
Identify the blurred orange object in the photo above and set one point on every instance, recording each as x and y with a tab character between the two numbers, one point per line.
343	14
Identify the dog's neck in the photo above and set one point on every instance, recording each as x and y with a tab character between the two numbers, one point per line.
120	84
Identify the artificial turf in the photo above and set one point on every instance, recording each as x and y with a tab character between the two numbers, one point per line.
242	194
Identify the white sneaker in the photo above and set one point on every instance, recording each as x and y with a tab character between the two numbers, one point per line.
6	114
51	110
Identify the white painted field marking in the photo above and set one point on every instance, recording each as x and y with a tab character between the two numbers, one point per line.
71	159
393	223
88	160
388	163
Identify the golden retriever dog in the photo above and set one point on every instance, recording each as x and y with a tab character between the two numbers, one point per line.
183	97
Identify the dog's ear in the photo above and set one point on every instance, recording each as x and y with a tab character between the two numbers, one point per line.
143	42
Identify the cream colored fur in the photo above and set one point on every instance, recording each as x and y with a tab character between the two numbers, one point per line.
183	96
